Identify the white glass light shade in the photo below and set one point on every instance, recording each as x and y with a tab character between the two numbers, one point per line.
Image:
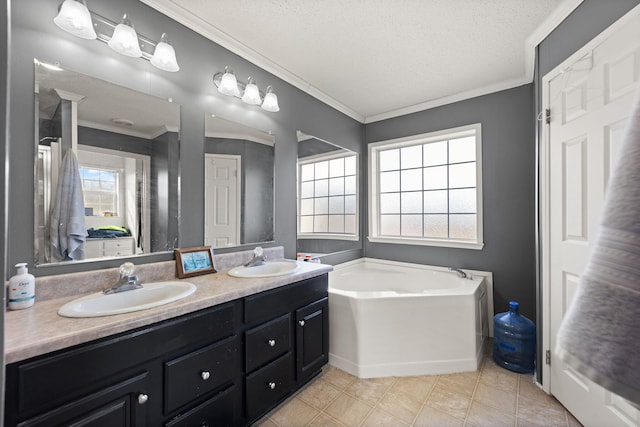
251	93
270	101
164	57
125	39
228	83
74	18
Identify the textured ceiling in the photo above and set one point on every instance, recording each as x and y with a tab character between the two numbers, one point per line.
374	59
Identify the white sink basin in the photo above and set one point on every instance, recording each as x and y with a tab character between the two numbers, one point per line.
150	295
266	269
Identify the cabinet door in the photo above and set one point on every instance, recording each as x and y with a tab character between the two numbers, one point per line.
123	404
312	338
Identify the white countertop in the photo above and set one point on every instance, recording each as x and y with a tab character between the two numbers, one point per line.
39	329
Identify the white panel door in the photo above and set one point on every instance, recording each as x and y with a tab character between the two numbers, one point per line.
222	200
589	100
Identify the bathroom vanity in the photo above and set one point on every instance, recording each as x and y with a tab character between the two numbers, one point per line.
226	364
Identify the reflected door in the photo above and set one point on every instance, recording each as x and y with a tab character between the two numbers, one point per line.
222	200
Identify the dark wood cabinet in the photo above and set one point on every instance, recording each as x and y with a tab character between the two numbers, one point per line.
225	366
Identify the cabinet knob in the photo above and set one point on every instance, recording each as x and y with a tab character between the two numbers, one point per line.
271	385
205	375
301	322
272	343
142	398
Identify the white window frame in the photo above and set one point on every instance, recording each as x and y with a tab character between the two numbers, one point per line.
374	195
328	236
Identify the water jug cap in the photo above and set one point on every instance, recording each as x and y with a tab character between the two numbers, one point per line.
513	306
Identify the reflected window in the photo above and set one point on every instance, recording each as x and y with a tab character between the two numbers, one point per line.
100	189
327	196
426	189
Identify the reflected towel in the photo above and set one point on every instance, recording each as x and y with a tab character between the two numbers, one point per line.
600	335
67	229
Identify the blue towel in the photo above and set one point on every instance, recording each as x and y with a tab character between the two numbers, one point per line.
600	335
67	229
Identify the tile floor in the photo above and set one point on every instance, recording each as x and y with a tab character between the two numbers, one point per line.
491	396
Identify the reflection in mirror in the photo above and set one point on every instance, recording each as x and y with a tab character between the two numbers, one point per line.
327	197
126	144
239	184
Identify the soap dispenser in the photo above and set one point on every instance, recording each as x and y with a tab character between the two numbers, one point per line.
21	288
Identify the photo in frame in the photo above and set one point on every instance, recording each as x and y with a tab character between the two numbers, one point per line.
194	261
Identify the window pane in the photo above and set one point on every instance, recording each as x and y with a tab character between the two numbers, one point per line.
336	205
462	175
411	179
411	157
306	207
389	159
109	186
350	224
336	224
306	224
435	226
336	186
462	201
350	204
306	189
462	150
435	178
322	188
321	224
389	182
411	225
435	202
390	203
463	227
321	205
350	165
322	170
435	153
306	172
107	176
411	202
350	185
390	225
336	167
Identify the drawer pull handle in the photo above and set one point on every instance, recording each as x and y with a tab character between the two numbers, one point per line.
271	385
301	322
272	343
142	398
205	375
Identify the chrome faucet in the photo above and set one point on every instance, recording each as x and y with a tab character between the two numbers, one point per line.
127	282
459	272
258	257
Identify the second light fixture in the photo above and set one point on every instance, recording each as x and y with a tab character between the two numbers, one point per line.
249	93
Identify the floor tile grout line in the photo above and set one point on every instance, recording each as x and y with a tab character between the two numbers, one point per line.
424	403
473	393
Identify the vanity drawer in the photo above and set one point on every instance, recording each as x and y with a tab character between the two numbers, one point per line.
267	386
219	411
266	342
199	372
118	244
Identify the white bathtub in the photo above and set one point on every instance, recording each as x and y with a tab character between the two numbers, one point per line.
398	319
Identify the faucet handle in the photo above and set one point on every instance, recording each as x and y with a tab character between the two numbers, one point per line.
258	251
127	269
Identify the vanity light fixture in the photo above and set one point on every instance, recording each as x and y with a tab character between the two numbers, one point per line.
74	17
270	101
164	57
125	39
227	84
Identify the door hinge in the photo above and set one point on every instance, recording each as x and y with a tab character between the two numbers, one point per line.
547	115
547	357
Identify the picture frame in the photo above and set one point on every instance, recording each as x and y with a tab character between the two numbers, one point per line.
194	261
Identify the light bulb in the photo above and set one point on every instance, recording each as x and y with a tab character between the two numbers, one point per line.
74	18
228	83
125	39
164	57
270	101
251	93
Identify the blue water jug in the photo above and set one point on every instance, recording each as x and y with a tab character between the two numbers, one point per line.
514	340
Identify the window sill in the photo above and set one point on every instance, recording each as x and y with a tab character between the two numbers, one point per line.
423	242
329	236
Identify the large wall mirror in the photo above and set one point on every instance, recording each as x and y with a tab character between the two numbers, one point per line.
124	163
328	197
239	184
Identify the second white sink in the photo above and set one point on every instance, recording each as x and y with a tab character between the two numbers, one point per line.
266	269
150	295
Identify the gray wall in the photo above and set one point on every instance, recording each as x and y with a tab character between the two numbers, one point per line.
507	185
36	36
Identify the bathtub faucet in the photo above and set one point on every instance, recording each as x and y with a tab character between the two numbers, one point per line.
258	257
459	272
